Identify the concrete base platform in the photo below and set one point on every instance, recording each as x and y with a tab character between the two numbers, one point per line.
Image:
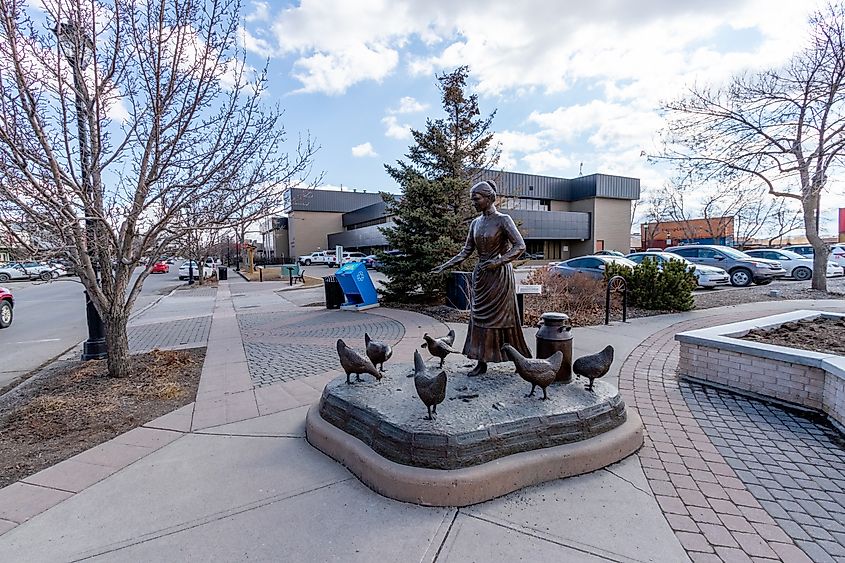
478	483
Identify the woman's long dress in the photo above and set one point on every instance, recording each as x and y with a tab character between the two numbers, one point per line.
494	320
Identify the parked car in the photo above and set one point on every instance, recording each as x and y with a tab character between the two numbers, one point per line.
7	307
347	257
742	268
609	253
593	266
707	276
837	252
186	267
314	258
796	266
160	268
27	271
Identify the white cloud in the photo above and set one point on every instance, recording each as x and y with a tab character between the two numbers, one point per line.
363	150
394	129
409	105
550	162
260	12
333	73
513	46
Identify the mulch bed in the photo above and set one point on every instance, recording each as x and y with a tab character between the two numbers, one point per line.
823	335
69	407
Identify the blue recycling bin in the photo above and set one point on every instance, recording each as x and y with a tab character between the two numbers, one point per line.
354	280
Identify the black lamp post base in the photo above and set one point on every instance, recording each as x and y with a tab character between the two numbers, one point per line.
95	350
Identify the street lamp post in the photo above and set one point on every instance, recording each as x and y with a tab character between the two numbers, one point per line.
78	49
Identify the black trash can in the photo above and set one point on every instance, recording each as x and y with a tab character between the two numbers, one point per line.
334	293
459	290
222	273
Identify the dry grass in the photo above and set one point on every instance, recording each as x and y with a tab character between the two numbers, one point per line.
75	406
274	274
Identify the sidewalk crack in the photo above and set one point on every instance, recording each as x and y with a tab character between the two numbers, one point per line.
628	481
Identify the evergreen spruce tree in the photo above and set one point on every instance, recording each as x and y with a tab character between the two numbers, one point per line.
432	213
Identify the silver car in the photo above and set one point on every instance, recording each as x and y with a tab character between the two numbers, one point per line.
707	276
796	266
742	268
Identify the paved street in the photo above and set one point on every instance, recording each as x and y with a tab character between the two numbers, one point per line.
50	318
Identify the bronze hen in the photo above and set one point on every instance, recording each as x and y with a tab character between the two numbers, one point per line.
431	390
353	362
594	365
378	352
440	347
535	371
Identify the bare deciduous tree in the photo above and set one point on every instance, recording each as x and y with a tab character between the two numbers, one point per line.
126	124
783	127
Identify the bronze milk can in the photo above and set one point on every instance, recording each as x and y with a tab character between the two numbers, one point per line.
555	333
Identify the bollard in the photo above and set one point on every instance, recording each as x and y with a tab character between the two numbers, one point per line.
261	274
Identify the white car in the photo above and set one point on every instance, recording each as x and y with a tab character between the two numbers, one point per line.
27	271
837	252
185	270
347	257
796	265
707	276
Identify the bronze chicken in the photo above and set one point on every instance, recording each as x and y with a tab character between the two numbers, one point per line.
353	362
594	366
377	352
431	390
440	347
537	372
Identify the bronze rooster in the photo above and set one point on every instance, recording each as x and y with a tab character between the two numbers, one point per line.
533	370
353	362
431	390
440	347
378	352
594	365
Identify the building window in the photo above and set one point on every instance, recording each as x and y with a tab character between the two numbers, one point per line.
526	203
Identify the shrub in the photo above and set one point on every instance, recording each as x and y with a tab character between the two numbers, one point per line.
650	286
580	296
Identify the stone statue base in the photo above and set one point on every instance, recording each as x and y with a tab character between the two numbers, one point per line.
487	440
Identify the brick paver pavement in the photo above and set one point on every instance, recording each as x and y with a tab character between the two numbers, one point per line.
284	347
183	333
691	454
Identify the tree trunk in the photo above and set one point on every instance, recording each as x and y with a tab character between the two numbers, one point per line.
820	249
118	344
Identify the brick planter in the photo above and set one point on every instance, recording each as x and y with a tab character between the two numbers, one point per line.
810	380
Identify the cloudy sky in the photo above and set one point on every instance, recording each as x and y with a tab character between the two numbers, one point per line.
576	84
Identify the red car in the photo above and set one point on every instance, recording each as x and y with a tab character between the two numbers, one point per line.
7	305
160	268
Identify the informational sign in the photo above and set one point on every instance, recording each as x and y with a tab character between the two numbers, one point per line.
529	289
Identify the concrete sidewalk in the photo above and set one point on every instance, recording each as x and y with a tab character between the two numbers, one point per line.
231	476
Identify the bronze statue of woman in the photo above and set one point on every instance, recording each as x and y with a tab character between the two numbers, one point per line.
494	320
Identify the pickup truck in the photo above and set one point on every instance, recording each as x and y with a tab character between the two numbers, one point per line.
315	258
